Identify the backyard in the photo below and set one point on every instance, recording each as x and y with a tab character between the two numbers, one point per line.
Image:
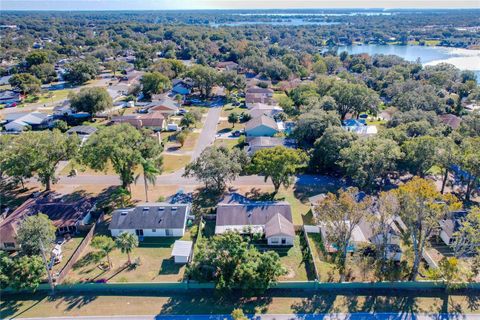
152	262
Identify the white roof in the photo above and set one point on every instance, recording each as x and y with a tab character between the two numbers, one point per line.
182	248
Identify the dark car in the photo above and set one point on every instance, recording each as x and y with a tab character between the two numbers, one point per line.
237	133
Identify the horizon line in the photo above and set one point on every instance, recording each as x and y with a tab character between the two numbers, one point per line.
249	9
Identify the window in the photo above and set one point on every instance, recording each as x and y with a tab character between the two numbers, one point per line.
139	232
9	245
284	241
274	240
154	230
168	232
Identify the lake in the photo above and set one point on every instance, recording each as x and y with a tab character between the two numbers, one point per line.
463	59
275	22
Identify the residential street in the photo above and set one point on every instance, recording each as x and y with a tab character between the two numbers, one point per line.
207	136
328	316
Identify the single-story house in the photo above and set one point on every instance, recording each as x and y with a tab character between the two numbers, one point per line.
157	219
450	120
365	233
10	96
182	250
18	122
4	80
182	86
258	109
165	106
227	65
258	143
83	132
66	214
261	126
154	120
271	218
451	225
360	127
255	95
63	110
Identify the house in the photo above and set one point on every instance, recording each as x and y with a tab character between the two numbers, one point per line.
366	233
4	80
451	225
157	219
450	120
270	218
63	110
227	66
258	143
182	250
66	214
259	109
255	95
261	126
154	120
19	122
182	87
165	106
360	127
83	132
10	96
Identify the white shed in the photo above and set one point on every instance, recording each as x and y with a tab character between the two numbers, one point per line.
182	251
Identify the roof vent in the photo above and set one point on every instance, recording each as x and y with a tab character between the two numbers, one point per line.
174	208
161	208
145	209
123	213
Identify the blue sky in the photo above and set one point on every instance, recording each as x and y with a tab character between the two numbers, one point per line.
227	4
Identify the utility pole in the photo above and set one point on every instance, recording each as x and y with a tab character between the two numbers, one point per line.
45	261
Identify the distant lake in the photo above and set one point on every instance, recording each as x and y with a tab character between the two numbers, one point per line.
461	58
275	22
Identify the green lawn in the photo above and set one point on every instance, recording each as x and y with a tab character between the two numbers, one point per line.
229	143
172	163
39	305
227	109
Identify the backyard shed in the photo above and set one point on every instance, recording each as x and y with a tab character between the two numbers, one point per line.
181	251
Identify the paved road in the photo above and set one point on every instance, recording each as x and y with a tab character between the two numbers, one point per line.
329	316
209	130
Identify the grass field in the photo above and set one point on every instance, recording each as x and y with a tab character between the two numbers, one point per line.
172	163
194	303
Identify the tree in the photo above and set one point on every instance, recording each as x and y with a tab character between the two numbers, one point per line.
105	244
45	72
237	314
240	264
420	154
181	137
36	57
154	83
80	72
233	118
420	207
369	161
216	166
33	232
25	83
38	153
340	215
470	162
383	222
311	126
332	63
279	164
447	156
172	68
326	150
470	126
353	98
188	120
91	100
21	272
126	242
151	162
204	77
467	238
120	145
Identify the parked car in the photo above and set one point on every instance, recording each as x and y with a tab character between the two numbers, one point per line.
182	112
237	133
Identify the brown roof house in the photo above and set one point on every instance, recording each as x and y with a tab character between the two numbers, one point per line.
154	120
227	65
66	214
255	95
166	106
271	218
450	120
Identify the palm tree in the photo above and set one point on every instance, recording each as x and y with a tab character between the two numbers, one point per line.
126	242
150	172
105	245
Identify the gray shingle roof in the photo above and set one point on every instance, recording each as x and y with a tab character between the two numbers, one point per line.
266	142
82	130
262	120
253	213
150	216
278	225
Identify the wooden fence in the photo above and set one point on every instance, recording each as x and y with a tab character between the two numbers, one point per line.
78	252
